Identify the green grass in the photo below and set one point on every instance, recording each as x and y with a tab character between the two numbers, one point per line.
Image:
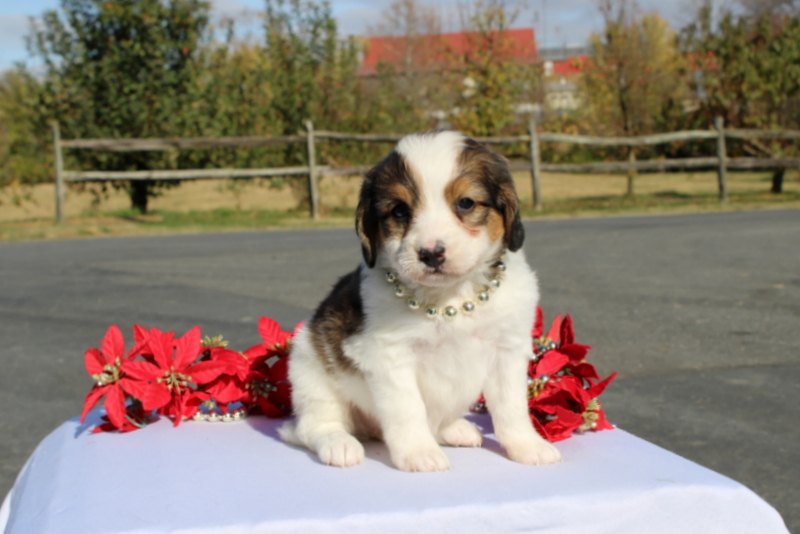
663	202
217	218
128	222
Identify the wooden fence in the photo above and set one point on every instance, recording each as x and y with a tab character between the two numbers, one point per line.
313	171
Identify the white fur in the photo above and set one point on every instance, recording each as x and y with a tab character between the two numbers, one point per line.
418	376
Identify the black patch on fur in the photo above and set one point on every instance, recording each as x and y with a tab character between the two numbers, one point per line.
375	200
338	317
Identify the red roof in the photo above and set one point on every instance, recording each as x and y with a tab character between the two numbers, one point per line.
426	50
571	66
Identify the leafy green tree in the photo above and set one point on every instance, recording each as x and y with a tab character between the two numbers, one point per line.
121	69
313	72
487	80
749	72
410	74
750	68
231	96
313	75
21	150
633	82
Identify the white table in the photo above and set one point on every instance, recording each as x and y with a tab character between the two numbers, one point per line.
239	478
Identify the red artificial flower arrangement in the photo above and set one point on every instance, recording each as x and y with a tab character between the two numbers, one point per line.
187	377
562	386
193	378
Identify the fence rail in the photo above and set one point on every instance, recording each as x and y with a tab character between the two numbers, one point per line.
534	165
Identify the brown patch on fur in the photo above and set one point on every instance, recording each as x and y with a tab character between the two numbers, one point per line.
386	186
495	226
484	177
338	317
469	186
401	192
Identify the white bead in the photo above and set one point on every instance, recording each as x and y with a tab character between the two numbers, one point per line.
495	283
483	296
213	417
468	307
501	266
432	312
391	278
227	418
399	290
413	303
450	312
198	416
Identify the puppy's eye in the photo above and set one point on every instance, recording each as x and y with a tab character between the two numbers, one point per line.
466	204
400	212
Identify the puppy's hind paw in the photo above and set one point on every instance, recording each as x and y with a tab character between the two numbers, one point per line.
340	450
461	433
422	459
538	452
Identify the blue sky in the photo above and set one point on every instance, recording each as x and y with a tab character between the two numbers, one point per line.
557	21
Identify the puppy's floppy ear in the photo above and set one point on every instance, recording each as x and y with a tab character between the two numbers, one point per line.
367	219
509	204
501	184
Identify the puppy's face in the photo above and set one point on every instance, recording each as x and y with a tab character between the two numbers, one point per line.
437	208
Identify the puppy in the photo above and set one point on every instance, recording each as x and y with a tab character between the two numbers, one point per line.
439	311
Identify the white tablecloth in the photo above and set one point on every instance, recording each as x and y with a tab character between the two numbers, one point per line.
239	478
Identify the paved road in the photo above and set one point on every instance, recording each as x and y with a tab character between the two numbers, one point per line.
699	313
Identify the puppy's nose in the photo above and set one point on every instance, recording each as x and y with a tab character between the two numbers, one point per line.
432	257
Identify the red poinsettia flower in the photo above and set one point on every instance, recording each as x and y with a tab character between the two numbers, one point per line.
136	418
230	387
560	337
111	381
267	386
261	373
261	381
169	377
276	341
563	387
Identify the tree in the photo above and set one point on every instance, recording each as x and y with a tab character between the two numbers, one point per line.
412	54
633	79
21	161
316	71
750	68
749	73
490	78
758	8
120	69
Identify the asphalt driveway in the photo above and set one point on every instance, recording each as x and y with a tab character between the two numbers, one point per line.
700	314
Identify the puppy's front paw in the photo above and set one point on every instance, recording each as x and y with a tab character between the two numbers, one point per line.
340	450
422	459
539	452
461	433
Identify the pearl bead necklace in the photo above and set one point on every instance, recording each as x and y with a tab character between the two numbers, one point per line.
214	417
448	312
209	412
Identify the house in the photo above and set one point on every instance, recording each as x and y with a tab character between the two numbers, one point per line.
423	54
562	67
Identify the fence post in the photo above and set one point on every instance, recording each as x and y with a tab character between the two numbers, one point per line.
535	163
722	156
58	163
313	190
631	170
